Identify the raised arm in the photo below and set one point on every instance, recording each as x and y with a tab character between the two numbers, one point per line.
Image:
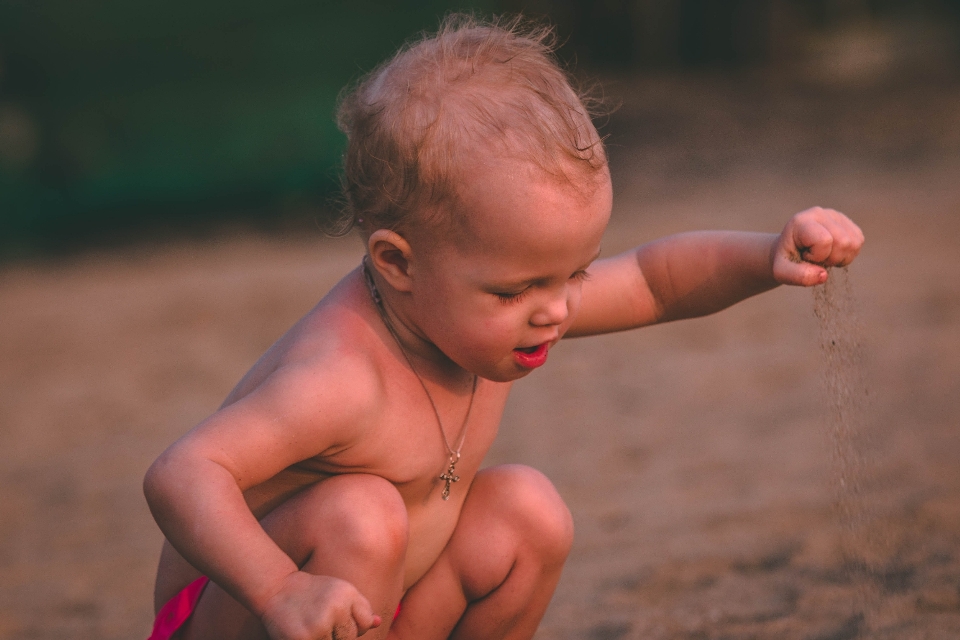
695	274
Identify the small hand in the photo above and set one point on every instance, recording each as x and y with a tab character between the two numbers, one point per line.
812	241
310	607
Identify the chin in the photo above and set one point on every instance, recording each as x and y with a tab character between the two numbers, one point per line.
507	376
502	370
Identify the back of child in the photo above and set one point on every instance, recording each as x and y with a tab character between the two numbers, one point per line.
338	491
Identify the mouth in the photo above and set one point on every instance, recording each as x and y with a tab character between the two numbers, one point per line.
531	357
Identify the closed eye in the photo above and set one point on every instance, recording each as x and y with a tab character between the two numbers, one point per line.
510	298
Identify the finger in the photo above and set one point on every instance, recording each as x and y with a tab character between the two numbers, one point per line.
363	616
803	274
847	240
847	236
813	241
373	625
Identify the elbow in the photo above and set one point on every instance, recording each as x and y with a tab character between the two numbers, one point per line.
176	474
152	482
157	480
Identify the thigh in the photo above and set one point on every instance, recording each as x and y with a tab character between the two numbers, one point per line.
350	526
512	514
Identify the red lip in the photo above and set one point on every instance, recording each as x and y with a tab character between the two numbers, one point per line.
532	357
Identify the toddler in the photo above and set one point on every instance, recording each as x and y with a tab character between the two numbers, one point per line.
338	491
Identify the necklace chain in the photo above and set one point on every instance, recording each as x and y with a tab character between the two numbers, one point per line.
453	454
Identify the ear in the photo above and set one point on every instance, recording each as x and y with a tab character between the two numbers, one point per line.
390	255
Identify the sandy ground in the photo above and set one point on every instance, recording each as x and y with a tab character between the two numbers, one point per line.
698	458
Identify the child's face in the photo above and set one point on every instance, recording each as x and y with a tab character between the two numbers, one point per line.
503	290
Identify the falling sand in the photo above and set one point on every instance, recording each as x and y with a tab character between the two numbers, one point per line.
860	537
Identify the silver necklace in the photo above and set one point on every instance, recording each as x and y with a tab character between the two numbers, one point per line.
453	458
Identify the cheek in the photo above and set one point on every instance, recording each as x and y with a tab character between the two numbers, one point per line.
466	326
492	331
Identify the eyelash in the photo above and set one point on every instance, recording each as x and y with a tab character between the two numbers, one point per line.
510	298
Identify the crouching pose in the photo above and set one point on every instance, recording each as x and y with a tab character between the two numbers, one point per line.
338	492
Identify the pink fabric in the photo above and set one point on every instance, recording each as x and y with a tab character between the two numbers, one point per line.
173	614
179	609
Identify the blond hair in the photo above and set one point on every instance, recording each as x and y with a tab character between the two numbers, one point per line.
413	122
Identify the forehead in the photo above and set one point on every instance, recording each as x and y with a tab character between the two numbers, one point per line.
510	208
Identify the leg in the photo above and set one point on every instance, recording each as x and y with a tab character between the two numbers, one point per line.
497	574
352	527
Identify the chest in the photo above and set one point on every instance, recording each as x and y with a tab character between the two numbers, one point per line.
409	446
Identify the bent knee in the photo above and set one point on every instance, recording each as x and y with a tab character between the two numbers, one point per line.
360	515
369	513
533	507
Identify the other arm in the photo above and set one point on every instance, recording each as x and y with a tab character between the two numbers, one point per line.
698	273
195	489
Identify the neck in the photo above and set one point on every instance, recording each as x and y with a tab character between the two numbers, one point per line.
429	361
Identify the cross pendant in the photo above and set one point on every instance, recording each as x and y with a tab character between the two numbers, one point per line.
449	477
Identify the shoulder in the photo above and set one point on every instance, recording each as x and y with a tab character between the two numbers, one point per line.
318	391
321	384
331	369
339	385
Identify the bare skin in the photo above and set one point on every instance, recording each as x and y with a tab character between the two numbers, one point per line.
312	498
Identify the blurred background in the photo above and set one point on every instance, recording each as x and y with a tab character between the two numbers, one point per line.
165	168
120	119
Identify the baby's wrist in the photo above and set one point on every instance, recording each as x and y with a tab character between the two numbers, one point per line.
771	249
260	603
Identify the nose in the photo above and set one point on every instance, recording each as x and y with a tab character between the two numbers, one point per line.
554	309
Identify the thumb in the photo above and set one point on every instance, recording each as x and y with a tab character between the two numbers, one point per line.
363	615
804	274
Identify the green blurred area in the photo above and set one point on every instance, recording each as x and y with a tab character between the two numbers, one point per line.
119	118
118	114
